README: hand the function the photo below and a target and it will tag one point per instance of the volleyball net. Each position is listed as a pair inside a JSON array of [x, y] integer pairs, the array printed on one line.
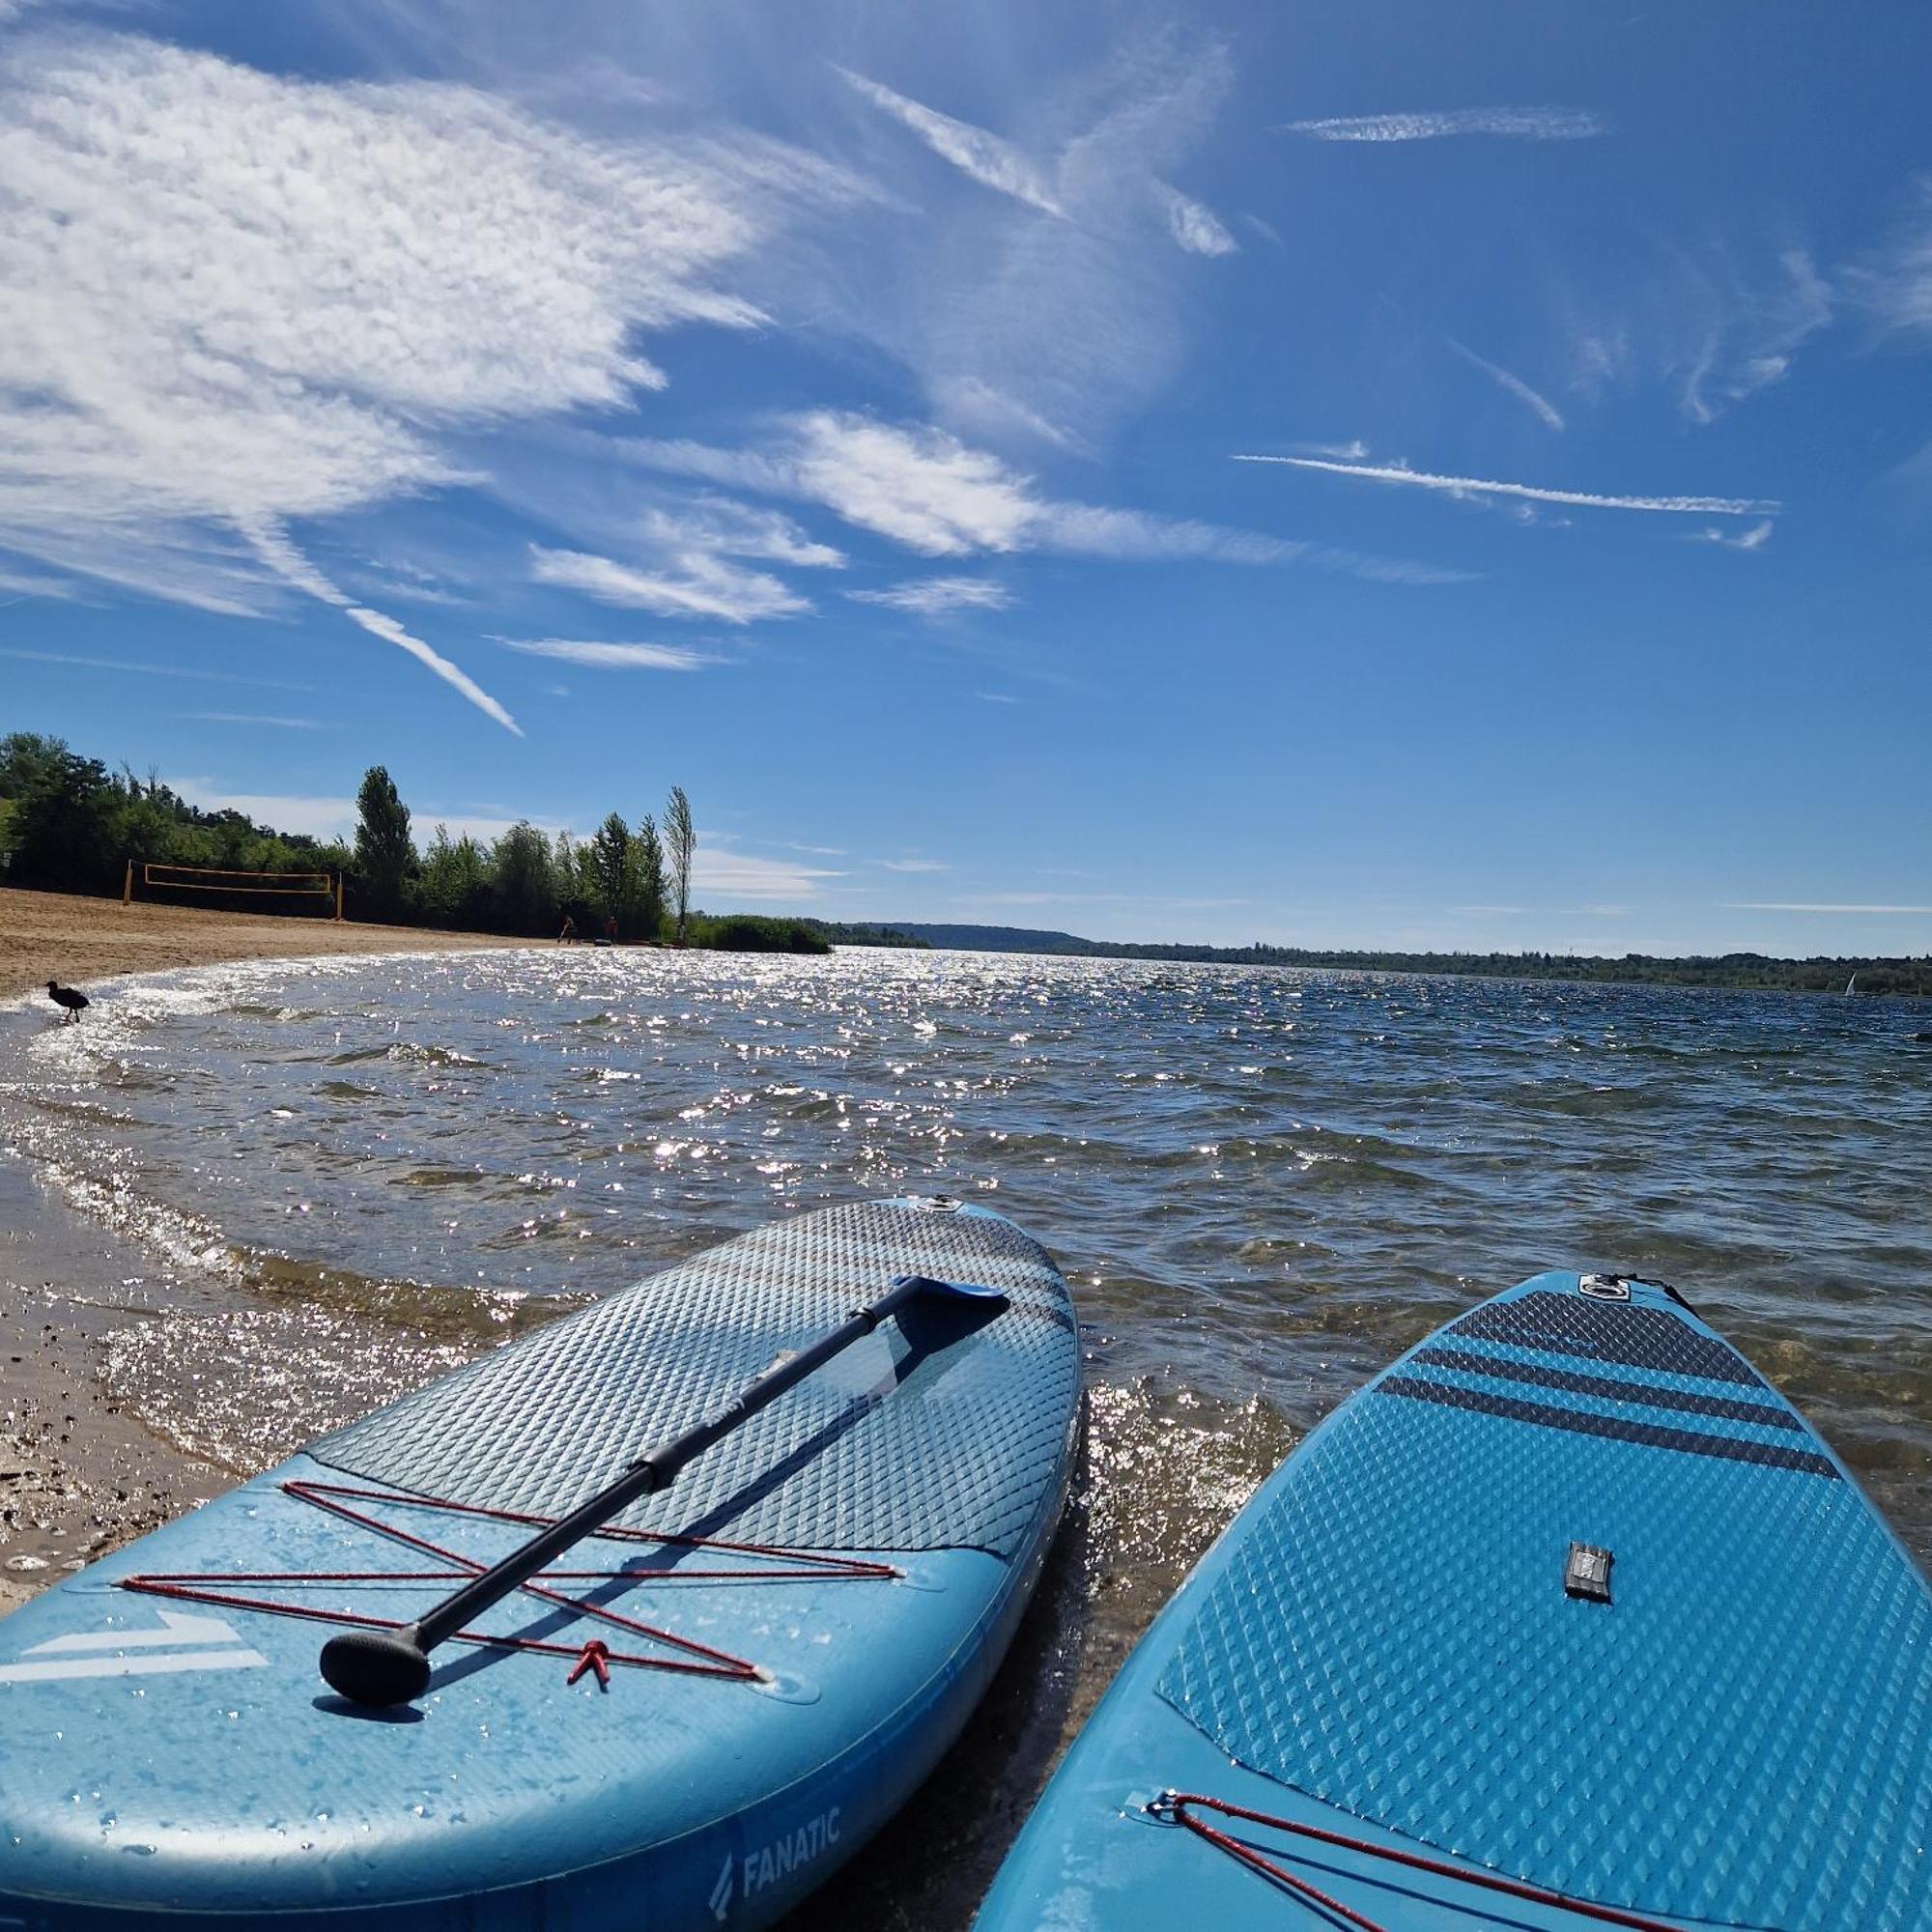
[[323, 890]]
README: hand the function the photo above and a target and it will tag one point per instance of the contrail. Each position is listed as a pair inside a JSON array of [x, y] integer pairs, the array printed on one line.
[[1480, 486]]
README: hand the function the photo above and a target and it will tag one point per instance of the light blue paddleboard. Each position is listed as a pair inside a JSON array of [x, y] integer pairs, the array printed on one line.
[[796, 1628], [1567, 1602]]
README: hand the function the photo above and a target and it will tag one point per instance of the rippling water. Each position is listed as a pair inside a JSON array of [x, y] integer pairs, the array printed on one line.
[[1262, 1185]]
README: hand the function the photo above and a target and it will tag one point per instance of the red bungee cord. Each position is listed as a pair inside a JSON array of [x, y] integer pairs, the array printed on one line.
[[1180, 1807], [773, 1564]]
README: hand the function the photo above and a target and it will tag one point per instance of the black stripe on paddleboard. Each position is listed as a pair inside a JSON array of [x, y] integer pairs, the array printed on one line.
[[1603, 1331], [1653, 1436], [1573, 1383]]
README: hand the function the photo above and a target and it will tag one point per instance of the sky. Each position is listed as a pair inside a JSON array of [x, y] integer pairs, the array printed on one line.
[[1346, 474]]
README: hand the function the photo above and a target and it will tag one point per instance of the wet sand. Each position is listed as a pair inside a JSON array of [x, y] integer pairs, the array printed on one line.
[[57, 936], [78, 1475]]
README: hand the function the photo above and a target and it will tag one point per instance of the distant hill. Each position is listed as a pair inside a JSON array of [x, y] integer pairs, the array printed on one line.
[[997, 938], [1730, 969]]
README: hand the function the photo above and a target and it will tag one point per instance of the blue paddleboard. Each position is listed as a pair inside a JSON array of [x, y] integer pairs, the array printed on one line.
[[689, 1720], [1567, 1618]]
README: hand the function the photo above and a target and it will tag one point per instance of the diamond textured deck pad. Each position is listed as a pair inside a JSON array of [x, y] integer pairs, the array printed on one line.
[[1742, 1734], [944, 1430]]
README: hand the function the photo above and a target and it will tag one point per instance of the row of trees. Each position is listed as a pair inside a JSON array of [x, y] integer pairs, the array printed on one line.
[[634, 882], [69, 824]]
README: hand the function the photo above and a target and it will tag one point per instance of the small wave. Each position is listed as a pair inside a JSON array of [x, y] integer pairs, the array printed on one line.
[[406, 1053]]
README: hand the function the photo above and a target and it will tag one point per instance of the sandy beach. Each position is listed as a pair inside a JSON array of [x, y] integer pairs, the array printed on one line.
[[77, 1474], [57, 936]]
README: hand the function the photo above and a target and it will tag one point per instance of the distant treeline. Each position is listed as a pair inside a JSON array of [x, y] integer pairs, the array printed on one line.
[[1729, 968], [69, 824]]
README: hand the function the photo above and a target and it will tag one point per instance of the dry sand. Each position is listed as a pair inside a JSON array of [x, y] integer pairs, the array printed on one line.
[[54, 936], [78, 1475]]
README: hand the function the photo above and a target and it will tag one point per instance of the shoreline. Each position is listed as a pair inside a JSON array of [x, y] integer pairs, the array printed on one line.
[[79, 1474], [66, 937]]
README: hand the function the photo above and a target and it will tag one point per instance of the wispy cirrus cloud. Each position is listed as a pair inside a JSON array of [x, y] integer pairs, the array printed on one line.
[[31, 583], [234, 299], [939, 596], [722, 870], [1712, 325], [250, 719], [136, 668], [597, 656], [1530, 493], [698, 585], [1193, 224], [1808, 905], [281, 555], [1754, 538], [1894, 282], [976, 153], [1049, 304], [1514, 123], [924, 489], [1537, 403], [913, 865]]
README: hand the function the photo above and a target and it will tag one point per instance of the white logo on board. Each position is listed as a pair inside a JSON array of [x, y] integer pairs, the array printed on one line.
[[181, 1643], [720, 1893]]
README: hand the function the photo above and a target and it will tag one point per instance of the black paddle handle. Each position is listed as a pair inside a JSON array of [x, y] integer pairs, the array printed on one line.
[[656, 1469]]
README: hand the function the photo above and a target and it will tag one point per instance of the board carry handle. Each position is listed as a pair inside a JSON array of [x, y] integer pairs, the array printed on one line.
[[385, 1667]]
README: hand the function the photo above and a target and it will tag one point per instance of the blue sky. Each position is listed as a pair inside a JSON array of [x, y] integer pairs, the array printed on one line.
[[1326, 473]]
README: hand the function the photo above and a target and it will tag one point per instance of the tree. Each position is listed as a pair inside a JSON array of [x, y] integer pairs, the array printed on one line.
[[648, 878], [64, 826], [525, 880], [680, 842], [610, 862], [384, 854]]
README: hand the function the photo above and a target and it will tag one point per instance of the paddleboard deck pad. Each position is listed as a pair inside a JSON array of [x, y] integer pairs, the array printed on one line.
[[1568, 1617], [691, 1718]]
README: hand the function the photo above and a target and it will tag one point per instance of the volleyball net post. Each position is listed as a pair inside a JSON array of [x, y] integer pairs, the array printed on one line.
[[157, 877]]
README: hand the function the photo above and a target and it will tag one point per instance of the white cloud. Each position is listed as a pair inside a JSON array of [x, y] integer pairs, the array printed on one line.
[[28, 583], [1476, 486], [612, 656], [987, 159], [278, 553], [1799, 905], [1713, 330], [914, 864], [136, 668], [921, 487], [1522, 124], [249, 717], [317, 817], [700, 586], [229, 297], [719, 870], [1007, 319], [1895, 283], [1543, 407], [718, 526], [939, 596], [924, 489], [1754, 538], [1194, 226], [391, 632]]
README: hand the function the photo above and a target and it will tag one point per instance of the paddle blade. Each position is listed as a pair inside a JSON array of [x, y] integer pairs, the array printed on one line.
[[963, 1291]]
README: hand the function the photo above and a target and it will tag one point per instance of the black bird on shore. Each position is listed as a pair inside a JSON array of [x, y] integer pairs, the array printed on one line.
[[69, 997]]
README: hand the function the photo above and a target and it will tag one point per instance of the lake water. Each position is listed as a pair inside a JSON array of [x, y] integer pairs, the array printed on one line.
[[1262, 1185]]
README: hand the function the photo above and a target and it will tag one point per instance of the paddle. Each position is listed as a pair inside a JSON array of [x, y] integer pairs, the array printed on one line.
[[391, 1667]]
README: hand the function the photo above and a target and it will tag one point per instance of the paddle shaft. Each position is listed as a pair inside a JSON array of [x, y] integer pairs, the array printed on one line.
[[656, 1469]]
